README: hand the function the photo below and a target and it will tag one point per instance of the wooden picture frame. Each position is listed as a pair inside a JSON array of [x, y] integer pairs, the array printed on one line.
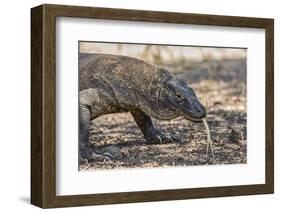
[[43, 105]]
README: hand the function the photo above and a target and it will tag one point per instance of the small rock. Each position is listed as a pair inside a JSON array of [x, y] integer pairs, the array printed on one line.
[[234, 136], [113, 150], [125, 153]]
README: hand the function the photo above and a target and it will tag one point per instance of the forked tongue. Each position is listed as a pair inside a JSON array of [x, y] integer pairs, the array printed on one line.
[[209, 141]]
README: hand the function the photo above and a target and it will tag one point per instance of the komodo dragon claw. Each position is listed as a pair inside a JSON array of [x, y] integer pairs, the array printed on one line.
[[161, 138], [93, 157]]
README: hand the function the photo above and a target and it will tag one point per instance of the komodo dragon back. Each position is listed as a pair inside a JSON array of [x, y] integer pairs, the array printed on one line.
[[134, 82]]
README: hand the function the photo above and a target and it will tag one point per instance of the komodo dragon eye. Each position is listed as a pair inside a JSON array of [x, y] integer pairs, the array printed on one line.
[[179, 96]]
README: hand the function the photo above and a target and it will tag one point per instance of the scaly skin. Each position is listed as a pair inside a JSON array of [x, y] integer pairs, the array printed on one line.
[[113, 84]]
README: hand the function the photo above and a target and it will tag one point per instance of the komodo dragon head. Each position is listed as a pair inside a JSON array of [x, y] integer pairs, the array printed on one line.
[[183, 100]]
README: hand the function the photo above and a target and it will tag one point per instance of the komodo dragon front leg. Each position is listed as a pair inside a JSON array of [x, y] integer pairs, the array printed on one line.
[[151, 134]]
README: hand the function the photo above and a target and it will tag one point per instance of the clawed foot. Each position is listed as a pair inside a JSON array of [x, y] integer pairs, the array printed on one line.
[[161, 138], [87, 156]]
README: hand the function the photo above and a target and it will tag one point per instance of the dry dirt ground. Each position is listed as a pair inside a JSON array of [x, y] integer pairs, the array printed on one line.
[[221, 86]]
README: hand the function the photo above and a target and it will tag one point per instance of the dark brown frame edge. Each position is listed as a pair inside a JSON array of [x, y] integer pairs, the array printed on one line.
[[43, 105]]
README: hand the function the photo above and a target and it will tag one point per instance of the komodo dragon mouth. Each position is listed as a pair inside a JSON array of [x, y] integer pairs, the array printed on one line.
[[195, 112], [192, 119]]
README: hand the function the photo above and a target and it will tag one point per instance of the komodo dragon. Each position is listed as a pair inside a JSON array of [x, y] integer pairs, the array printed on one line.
[[113, 84]]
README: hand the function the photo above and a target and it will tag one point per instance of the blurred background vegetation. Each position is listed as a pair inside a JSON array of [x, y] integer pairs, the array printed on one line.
[[160, 54]]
